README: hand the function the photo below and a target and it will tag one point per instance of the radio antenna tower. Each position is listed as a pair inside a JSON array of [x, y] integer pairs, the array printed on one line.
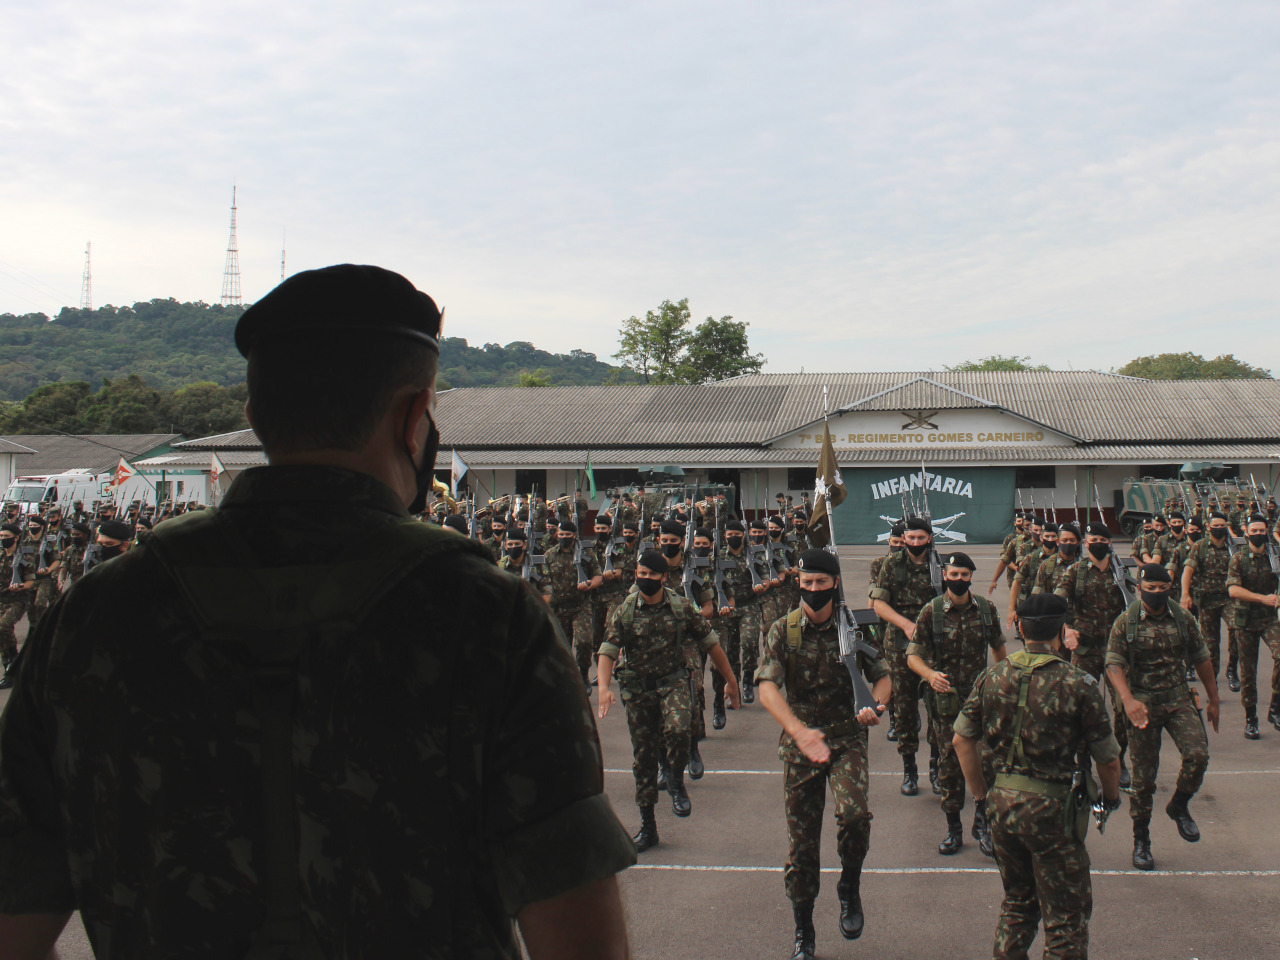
[[86, 282], [231, 272], [282, 256]]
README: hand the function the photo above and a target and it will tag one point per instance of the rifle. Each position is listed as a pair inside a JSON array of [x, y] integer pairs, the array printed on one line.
[[690, 579], [615, 535], [722, 566], [1119, 572], [1053, 513], [935, 564], [530, 559], [21, 558]]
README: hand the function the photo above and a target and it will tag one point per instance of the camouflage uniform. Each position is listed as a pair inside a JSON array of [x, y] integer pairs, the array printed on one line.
[[1156, 665], [1009, 554], [539, 576], [740, 631], [906, 587], [1045, 870], [610, 593], [1208, 564], [73, 560], [820, 695], [1049, 573], [1094, 608], [1254, 624], [1173, 555], [46, 586], [13, 604], [653, 681], [418, 815], [960, 653], [572, 606], [1028, 569]]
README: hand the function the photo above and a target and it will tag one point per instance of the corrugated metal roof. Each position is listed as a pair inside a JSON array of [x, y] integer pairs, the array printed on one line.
[[8, 446], [96, 453], [175, 461], [236, 440]]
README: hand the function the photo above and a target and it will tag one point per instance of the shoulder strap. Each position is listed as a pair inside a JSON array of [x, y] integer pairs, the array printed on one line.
[[793, 642], [1082, 570], [935, 606], [986, 608], [1028, 664], [629, 609]]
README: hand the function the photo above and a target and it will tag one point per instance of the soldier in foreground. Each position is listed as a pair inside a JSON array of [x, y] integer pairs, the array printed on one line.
[[645, 638], [310, 638], [1036, 713], [1252, 587], [823, 742], [1152, 645], [1204, 590]]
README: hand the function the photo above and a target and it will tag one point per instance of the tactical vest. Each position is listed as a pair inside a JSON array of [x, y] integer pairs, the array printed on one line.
[[629, 682], [947, 705], [1242, 607], [272, 612]]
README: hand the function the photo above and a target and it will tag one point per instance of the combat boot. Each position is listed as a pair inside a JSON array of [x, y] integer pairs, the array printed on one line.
[[1142, 859], [1233, 675], [804, 931], [934, 783], [680, 804], [982, 833], [717, 712], [892, 735], [910, 775], [1126, 779], [1273, 712], [954, 839], [748, 692], [1178, 813], [696, 766], [849, 892], [663, 770], [1251, 727], [648, 835]]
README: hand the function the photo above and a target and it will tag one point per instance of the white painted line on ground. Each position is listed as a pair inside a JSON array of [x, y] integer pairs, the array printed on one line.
[[898, 773], [910, 871]]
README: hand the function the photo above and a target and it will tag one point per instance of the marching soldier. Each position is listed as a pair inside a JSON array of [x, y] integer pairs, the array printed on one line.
[[45, 550], [512, 561], [899, 594], [73, 553], [1036, 714], [1089, 586], [778, 601], [617, 570], [895, 546], [647, 637], [17, 581], [1024, 580], [569, 597], [1149, 552], [497, 537], [1152, 645], [1012, 550], [650, 541], [1204, 584], [1052, 568], [823, 742], [949, 652], [1252, 586], [740, 621]]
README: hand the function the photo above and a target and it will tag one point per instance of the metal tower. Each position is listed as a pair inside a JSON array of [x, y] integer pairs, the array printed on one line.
[[231, 272], [86, 282]]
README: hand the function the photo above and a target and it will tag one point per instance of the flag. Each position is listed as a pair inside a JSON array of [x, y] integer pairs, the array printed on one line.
[[124, 470], [456, 472], [216, 470], [828, 487], [591, 477]]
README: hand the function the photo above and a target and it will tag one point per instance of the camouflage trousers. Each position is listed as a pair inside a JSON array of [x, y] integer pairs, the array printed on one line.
[[739, 636], [602, 607], [1045, 875], [11, 612], [43, 596], [804, 789], [1212, 614], [950, 776], [1182, 721], [575, 622], [1089, 657], [1248, 640], [658, 721], [906, 696]]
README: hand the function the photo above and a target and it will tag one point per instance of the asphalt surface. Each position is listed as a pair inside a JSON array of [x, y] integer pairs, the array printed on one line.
[[713, 886]]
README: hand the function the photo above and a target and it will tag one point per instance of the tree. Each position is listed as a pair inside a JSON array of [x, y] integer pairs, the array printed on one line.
[[718, 350], [538, 379], [202, 409], [997, 362], [1192, 366]]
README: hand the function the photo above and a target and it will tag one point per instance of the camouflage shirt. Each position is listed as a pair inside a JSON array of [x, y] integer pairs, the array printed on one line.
[[1253, 572], [1095, 608], [820, 692], [1029, 569], [876, 565], [1208, 563], [904, 585], [443, 746], [1050, 573], [1015, 548], [656, 643], [73, 559], [961, 652], [539, 575], [624, 561], [1176, 559], [1166, 546], [739, 578], [564, 575], [28, 573], [1158, 658], [1064, 710]]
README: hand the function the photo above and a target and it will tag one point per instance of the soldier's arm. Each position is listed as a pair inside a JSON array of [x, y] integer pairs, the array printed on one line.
[[583, 924], [1117, 664], [31, 936], [967, 729], [881, 599], [1095, 723]]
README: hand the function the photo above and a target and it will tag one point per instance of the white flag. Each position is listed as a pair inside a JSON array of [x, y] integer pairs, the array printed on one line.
[[456, 473]]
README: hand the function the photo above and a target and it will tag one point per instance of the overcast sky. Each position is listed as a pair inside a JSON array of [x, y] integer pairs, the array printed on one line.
[[869, 185]]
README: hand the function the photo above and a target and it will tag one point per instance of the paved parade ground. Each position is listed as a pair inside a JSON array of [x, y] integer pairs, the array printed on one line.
[[713, 887]]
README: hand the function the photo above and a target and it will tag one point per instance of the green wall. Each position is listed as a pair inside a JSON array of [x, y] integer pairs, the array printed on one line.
[[984, 495]]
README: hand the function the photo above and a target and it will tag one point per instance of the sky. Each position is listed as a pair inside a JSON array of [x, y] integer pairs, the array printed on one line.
[[871, 186]]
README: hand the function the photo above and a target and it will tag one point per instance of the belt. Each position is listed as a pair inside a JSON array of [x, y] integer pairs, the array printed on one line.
[[1044, 788], [841, 729], [656, 683], [1156, 697]]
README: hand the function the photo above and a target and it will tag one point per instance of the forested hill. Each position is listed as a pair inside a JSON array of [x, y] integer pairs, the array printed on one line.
[[170, 344]]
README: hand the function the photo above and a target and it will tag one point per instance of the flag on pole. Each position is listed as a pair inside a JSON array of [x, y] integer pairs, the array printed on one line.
[[828, 487], [591, 477], [216, 471], [457, 472], [124, 470]]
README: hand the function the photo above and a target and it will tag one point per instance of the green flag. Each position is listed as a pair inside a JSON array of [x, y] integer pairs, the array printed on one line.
[[591, 478], [828, 488]]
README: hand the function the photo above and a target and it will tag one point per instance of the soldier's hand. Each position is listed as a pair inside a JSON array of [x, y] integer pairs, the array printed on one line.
[[42, 572], [812, 744], [992, 589], [1270, 600], [758, 588], [1013, 621], [1213, 712], [732, 695], [1070, 638], [940, 683], [1185, 603], [909, 632], [607, 700], [868, 717], [585, 586], [726, 611], [16, 586], [1136, 710]]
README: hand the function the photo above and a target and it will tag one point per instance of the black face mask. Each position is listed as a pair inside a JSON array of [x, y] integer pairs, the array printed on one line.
[[565, 542], [957, 588], [648, 585], [79, 541], [897, 549], [7, 542], [1099, 550], [1068, 549], [775, 534], [1218, 533], [513, 552], [108, 552], [671, 550], [735, 543], [1050, 546], [757, 538], [629, 537], [702, 551], [1155, 599], [424, 475], [916, 549], [602, 536], [1176, 531], [1194, 536], [1257, 539], [817, 599]]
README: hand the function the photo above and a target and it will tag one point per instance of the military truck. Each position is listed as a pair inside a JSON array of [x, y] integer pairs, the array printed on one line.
[[1141, 499]]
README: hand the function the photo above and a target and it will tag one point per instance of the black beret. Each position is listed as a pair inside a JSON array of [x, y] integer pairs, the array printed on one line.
[[657, 518], [758, 525], [345, 299], [960, 560], [1217, 515], [456, 522], [602, 519], [919, 523], [146, 524], [1158, 518], [35, 521], [568, 526], [780, 521], [1043, 606], [800, 515], [515, 533], [1036, 520], [1096, 529], [1154, 573], [673, 528], [1050, 527], [12, 528], [1257, 518], [115, 529], [80, 527], [630, 525], [654, 560], [1070, 528], [735, 525], [898, 529], [818, 561], [702, 532], [1176, 515]]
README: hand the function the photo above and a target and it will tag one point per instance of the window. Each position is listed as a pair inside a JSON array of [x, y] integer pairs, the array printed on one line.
[[1045, 476], [1160, 471], [801, 478], [527, 480], [609, 477], [726, 477]]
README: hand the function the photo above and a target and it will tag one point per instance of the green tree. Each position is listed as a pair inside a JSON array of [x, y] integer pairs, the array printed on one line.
[[538, 379], [998, 362], [202, 409], [54, 407], [1192, 366], [717, 350], [124, 406]]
